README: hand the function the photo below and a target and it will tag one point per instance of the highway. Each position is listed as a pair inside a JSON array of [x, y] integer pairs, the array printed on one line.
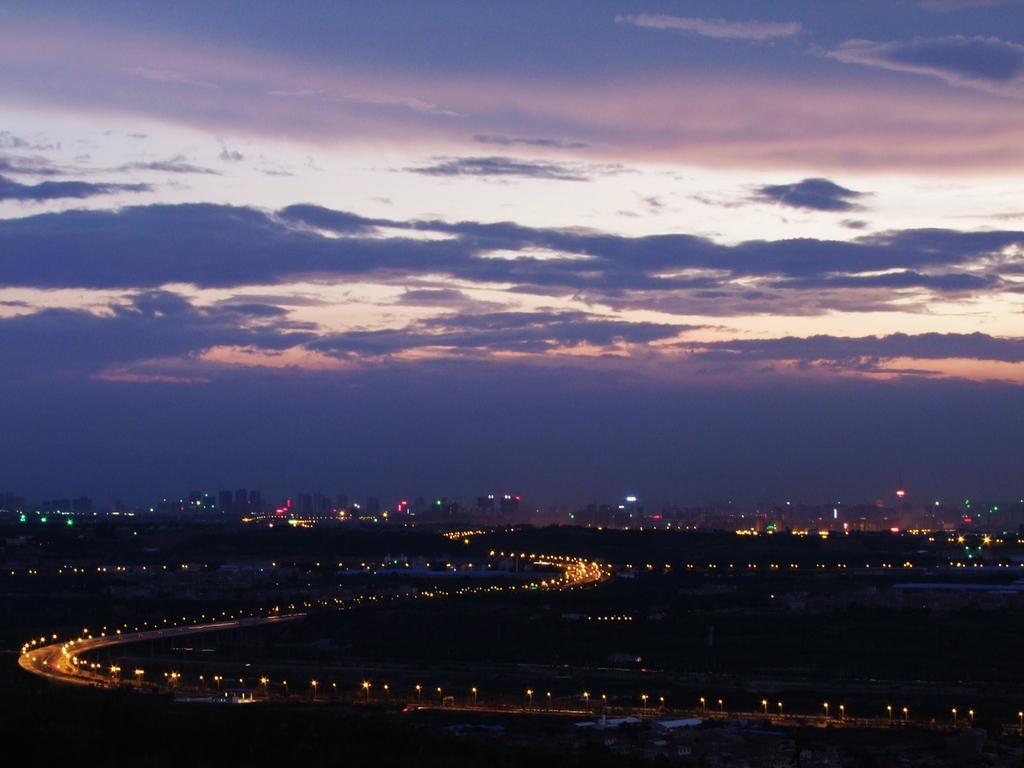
[[59, 662]]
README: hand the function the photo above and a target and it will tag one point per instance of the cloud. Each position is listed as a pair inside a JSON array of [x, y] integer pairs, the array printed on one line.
[[144, 247], [27, 166], [811, 194], [485, 334], [719, 29], [944, 6], [230, 155], [987, 63], [169, 76], [177, 164], [153, 324], [867, 352], [57, 190], [502, 166], [511, 141]]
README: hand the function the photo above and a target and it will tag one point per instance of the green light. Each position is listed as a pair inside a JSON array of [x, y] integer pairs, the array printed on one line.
[[71, 522]]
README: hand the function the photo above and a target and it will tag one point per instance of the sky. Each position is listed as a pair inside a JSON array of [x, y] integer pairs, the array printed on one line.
[[692, 251]]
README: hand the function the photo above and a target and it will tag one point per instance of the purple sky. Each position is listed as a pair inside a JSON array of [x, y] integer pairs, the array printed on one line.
[[692, 251]]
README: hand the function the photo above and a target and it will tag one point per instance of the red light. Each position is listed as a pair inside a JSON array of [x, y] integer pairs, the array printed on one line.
[[901, 493]]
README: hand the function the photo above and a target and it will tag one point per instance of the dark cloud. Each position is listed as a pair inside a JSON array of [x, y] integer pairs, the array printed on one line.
[[156, 324], [811, 194], [502, 166], [324, 218], [435, 297], [209, 245], [522, 332], [511, 141], [177, 164], [56, 190], [866, 352], [984, 62], [27, 166]]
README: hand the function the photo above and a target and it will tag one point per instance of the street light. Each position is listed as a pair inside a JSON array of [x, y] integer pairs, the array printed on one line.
[[904, 715], [419, 694], [842, 713], [971, 713], [387, 693], [366, 690], [474, 697], [954, 717], [529, 692], [312, 684], [889, 707], [703, 705], [643, 697], [549, 699], [780, 709], [764, 703], [586, 700], [826, 710]]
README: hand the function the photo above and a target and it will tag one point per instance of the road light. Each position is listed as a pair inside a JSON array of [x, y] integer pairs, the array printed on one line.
[[1021, 716], [780, 709], [586, 700], [904, 715], [703, 705], [970, 712], [387, 693], [643, 698], [721, 709], [138, 676], [826, 710], [312, 684], [474, 697], [889, 708], [549, 699], [529, 692], [366, 690], [764, 703], [954, 717], [842, 713]]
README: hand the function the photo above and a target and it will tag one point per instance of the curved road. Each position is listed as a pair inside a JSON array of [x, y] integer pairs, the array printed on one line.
[[57, 661]]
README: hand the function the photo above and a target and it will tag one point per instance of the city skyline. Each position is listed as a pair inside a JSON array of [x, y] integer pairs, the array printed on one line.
[[704, 250]]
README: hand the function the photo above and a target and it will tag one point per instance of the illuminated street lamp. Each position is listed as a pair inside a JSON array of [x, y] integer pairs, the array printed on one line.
[[549, 699], [826, 710], [904, 715], [387, 692], [643, 698], [474, 697], [889, 708], [842, 713], [764, 703], [138, 676], [529, 692], [703, 705], [312, 684], [954, 717], [419, 694], [366, 690], [586, 700], [971, 713], [721, 709], [780, 709]]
